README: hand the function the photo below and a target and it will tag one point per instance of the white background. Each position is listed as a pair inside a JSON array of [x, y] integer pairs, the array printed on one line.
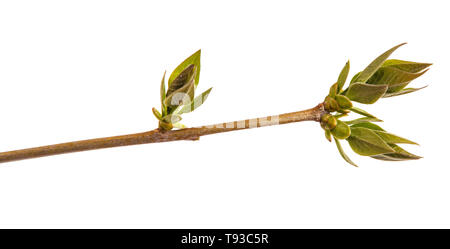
[[72, 70]]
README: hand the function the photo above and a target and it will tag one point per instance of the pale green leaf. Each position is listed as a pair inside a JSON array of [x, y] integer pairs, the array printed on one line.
[[375, 65], [343, 102], [365, 93], [343, 77], [157, 113], [395, 78], [401, 92], [191, 106], [341, 151], [355, 78], [393, 139], [194, 59], [163, 94], [185, 77], [328, 135], [399, 155], [368, 125], [364, 113], [333, 90], [171, 118], [340, 115], [183, 95], [366, 142], [408, 66]]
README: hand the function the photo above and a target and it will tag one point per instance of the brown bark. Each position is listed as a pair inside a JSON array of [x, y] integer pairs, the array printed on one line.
[[158, 136]]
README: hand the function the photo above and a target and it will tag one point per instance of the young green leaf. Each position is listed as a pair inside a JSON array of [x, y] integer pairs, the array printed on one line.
[[366, 142], [396, 87], [401, 92], [355, 78], [341, 131], [408, 66], [156, 113], [365, 93], [399, 155], [393, 139], [340, 115], [194, 59], [343, 102], [394, 77], [375, 64], [182, 95], [188, 74], [362, 112], [341, 151], [343, 77], [368, 125], [333, 90], [171, 118], [191, 106], [328, 135], [163, 94]]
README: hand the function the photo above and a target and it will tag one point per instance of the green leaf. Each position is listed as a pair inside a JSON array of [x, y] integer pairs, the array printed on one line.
[[365, 93], [387, 137], [394, 77], [343, 77], [393, 139], [341, 131], [188, 74], [341, 151], [375, 64], [362, 112], [156, 113], [191, 106], [163, 94], [171, 118], [343, 102], [368, 125], [401, 92], [194, 59], [182, 95], [340, 115], [355, 78], [333, 90], [399, 155], [366, 142], [328, 135], [408, 66]]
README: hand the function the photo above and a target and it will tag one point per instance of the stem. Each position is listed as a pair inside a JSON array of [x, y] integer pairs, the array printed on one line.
[[158, 136]]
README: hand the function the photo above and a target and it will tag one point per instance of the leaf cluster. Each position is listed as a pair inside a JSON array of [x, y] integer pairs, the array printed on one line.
[[382, 78], [179, 96]]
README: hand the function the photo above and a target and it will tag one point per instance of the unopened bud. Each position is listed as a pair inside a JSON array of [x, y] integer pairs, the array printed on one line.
[[331, 123], [330, 104], [343, 102], [341, 131]]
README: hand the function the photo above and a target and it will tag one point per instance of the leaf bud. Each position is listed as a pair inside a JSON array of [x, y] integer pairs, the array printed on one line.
[[331, 123], [324, 120], [333, 90], [341, 131], [343, 102], [330, 104]]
